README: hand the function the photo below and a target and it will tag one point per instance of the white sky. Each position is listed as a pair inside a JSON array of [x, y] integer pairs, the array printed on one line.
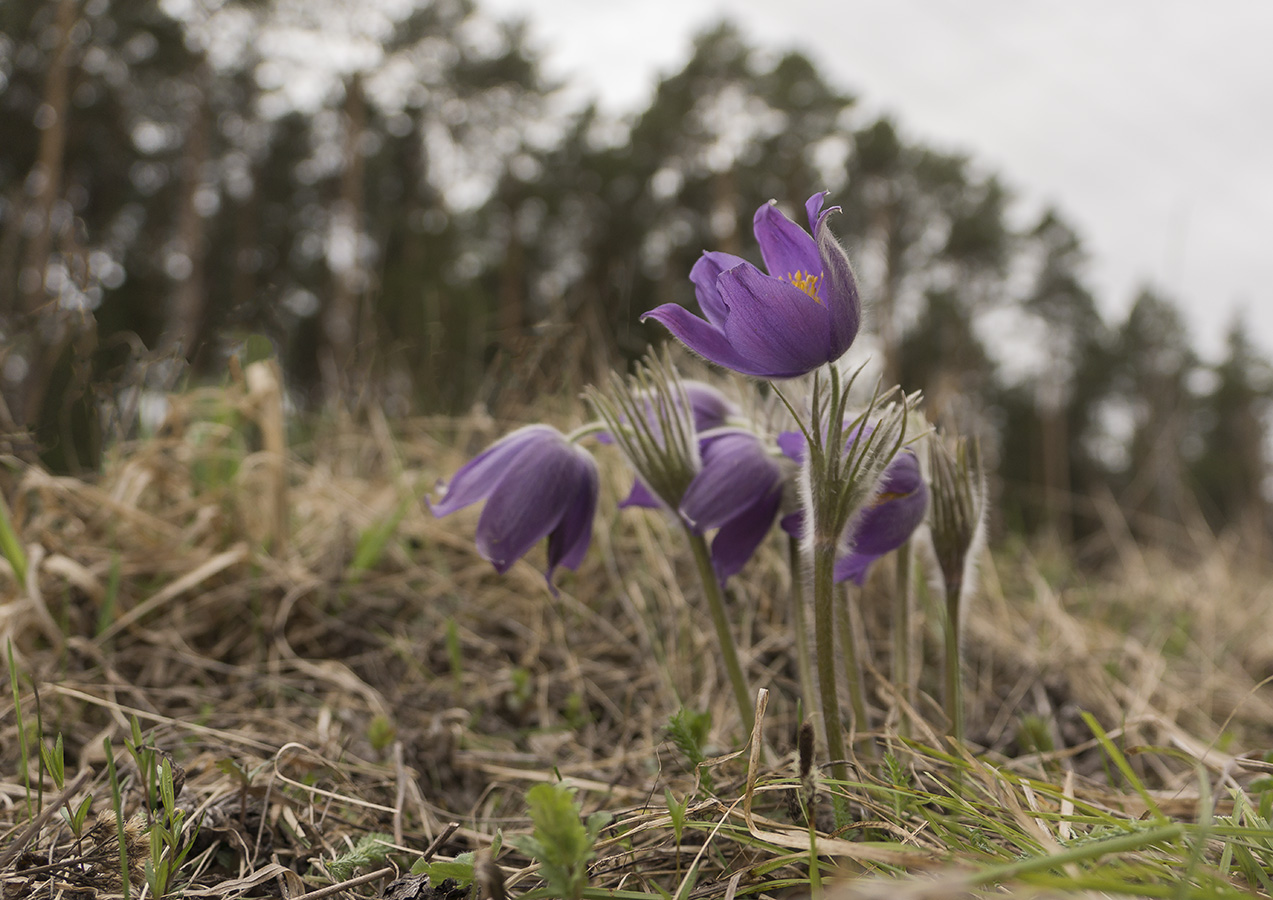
[[1150, 124]]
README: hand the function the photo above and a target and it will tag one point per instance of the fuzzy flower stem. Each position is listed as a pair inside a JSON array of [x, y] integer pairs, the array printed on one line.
[[902, 634], [824, 636], [954, 684], [724, 636], [853, 670], [804, 665]]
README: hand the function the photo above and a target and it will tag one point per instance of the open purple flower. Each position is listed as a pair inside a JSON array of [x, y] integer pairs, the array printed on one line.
[[536, 484], [888, 522], [804, 313]]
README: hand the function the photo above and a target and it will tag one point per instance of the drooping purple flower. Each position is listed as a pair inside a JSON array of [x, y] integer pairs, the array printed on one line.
[[896, 511], [709, 409], [888, 522], [737, 491], [804, 313], [536, 484]]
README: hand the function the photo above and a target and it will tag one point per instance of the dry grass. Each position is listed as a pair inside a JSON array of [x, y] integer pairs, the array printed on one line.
[[310, 702]]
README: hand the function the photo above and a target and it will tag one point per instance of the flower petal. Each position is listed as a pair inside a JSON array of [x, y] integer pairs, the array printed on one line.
[[738, 538], [736, 471], [897, 512], [477, 478], [793, 524], [854, 567], [779, 330], [569, 541], [838, 288], [640, 497], [703, 338], [527, 501], [785, 247], [793, 445], [710, 407], [704, 275], [813, 209]]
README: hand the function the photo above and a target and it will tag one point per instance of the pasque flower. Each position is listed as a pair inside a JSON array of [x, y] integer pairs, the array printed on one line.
[[709, 409], [804, 313], [737, 491], [887, 523], [884, 525], [536, 484]]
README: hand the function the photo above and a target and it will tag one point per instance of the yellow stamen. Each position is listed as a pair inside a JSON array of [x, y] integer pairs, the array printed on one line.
[[886, 497], [806, 283]]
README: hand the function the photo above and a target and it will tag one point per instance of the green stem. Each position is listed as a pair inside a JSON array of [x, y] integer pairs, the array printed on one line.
[[853, 671], [954, 681], [804, 666], [902, 680], [724, 636], [824, 644]]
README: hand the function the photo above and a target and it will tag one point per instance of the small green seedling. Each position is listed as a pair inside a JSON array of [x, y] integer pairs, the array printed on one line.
[[371, 849], [688, 730], [561, 843], [460, 869]]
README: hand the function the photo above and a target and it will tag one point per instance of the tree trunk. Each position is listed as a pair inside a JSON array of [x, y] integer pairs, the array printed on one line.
[[50, 331], [186, 305], [339, 362]]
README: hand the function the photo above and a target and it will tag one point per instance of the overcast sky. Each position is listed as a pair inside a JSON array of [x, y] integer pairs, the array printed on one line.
[[1150, 124]]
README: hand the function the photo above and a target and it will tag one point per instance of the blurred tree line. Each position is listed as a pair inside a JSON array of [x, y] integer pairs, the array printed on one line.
[[410, 212]]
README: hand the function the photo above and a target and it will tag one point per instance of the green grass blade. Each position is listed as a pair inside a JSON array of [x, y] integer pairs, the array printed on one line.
[[11, 545]]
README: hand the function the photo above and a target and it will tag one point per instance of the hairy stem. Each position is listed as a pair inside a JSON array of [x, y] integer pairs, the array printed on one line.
[[804, 665], [902, 637], [824, 638], [724, 636], [853, 672], [954, 681]]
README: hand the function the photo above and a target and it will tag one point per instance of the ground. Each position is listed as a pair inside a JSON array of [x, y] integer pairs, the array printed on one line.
[[322, 661]]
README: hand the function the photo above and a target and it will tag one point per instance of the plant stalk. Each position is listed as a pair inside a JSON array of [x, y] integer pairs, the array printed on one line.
[[799, 621], [902, 636], [954, 681], [824, 645], [853, 671], [724, 636]]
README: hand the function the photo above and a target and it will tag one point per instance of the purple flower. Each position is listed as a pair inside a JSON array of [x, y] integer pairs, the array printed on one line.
[[738, 490], [888, 522], [709, 408], [536, 484], [880, 528], [804, 313]]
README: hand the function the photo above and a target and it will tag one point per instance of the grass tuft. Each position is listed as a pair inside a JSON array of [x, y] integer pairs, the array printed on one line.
[[369, 687]]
